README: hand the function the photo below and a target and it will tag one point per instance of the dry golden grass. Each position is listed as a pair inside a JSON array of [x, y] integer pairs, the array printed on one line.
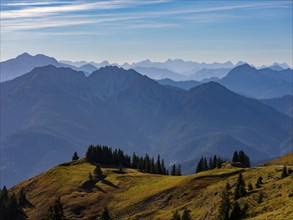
[[135, 195], [284, 160]]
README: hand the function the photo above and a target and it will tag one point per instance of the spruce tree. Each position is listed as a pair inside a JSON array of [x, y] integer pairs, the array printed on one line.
[[200, 167], [225, 204], [260, 197], [215, 162], [236, 213], [186, 214], [176, 215], [235, 157], [4, 194], [240, 187], [205, 165], [120, 169], [75, 156], [250, 187], [284, 172], [211, 165], [98, 172], [158, 165], [22, 201], [173, 170], [106, 214], [258, 182], [178, 171], [56, 211]]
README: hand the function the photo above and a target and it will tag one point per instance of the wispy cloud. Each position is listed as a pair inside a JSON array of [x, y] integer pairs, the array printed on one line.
[[69, 8], [35, 3], [54, 14]]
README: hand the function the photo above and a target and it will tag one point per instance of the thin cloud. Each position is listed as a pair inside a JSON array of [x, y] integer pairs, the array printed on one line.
[[33, 18], [76, 7], [35, 3]]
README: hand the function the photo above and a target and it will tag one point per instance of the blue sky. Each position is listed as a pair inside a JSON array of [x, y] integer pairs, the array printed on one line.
[[258, 32]]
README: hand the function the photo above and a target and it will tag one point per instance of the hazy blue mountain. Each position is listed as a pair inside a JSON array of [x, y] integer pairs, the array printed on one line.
[[183, 67], [50, 112], [276, 67], [283, 104], [212, 116], [262, 83], [87, 69], [158, 73], [186, 85], [24, 63], [208, 73], [74, 63]]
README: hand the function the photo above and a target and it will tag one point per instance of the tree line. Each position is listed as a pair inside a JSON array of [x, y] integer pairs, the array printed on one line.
[[105, 155], [240, 158], [214, 162], [11, 205]]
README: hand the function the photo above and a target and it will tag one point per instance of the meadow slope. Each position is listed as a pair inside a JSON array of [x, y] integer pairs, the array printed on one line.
[[136, 195]]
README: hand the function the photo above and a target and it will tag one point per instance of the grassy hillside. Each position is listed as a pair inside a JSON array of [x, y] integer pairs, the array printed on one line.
[[284, 160], [135, 195]]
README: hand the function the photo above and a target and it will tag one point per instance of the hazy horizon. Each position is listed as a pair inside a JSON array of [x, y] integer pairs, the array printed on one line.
[[153, 61], [256, 32]]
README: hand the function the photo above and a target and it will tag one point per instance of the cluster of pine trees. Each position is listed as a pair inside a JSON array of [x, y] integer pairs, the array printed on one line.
[[149, 165], [214, 162], [231, 210], [11, 206], [176, 171], [242, 158], [105, 155]]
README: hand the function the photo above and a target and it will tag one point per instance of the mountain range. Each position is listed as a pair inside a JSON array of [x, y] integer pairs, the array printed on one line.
[[25, 62], [50, 112], [248, 81], [177, 69]]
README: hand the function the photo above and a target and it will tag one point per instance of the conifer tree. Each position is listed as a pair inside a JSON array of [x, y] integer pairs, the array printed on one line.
[[173, 170], [284, 172], [260, 197], [176, 215], [22, 197], [98, 172], [56, 211], [75, 156], [250, 187], [205, 165], [186, 214], [258, 182], [4, 194], [200, 167], [106, 214], [158, 165], [235, 157], [178, 171], [240, 187], [120, 168], [215, 162], [225, 204], [236, 213], [211, 165]]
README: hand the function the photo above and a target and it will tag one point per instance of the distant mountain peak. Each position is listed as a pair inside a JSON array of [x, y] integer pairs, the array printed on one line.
[[25, 54]]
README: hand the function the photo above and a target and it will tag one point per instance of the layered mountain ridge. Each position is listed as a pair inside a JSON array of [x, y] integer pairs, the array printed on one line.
[[50, 112]]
